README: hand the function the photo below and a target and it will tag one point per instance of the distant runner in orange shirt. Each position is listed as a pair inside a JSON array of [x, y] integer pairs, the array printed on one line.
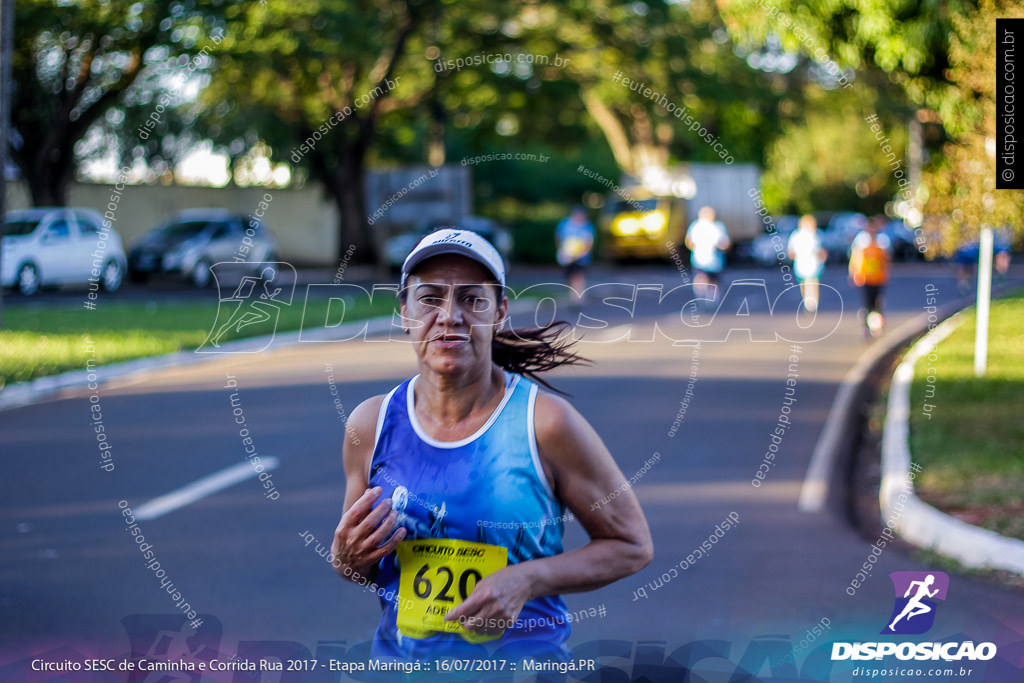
[[870, 255]]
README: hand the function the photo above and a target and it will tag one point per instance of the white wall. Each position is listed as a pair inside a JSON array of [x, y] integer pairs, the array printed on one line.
[[725, 188]]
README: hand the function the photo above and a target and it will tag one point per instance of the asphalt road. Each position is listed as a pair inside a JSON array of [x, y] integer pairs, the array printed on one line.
[[72, 577]]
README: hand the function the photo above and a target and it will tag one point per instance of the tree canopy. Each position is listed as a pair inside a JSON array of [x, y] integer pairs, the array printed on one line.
[[960, 191], [106, 64], [333, 88], [942, 56]]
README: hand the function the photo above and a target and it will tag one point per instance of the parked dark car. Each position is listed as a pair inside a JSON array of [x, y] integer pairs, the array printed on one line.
[[839, 233], [193, 240], [904, 248], [763, 249]]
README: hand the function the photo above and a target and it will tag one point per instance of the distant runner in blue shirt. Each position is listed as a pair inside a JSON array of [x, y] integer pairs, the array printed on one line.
[[574, 237]]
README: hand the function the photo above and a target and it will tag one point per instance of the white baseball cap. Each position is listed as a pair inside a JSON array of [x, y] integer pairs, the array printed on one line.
[[455, 241]]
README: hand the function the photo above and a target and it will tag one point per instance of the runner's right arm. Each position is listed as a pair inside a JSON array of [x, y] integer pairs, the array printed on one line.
[[357, 540]]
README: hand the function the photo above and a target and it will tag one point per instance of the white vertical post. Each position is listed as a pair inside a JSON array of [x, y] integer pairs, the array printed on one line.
[[984, 297]]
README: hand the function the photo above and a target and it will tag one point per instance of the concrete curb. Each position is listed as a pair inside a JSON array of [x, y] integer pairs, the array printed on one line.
[[920, 523], [822, 478], [814, 494], [43, 388]]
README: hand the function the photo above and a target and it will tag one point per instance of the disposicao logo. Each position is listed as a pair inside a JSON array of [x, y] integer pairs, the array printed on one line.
[[913, 613], [916, 594]]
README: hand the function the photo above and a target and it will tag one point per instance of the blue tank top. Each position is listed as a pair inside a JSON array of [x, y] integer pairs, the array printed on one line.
[[487, 488]]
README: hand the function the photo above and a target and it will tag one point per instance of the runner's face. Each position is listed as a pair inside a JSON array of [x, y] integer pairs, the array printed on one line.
[[452, 312]]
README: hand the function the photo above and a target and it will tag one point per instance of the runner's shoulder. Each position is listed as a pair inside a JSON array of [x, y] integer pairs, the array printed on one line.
[[555, 417], [362, 421]]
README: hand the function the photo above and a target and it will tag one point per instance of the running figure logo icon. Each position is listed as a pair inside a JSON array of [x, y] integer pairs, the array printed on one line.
[[256, 299], [916, 595]]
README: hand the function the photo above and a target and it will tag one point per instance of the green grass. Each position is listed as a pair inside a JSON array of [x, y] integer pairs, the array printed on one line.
[[936, 560], [36, 342], [972, 449]]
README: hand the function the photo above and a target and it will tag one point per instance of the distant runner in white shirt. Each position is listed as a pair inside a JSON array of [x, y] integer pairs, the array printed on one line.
[[808, 260], [706, 239]]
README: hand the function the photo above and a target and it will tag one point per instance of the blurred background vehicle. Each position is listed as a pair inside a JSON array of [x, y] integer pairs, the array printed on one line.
[[648, 216], [838, 234], [763, 249], [51, 246], [904, 248], [641, 227], [192, 240], [398, 247]]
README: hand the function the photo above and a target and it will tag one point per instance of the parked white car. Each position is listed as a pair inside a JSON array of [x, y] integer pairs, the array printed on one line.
[[46, 247]]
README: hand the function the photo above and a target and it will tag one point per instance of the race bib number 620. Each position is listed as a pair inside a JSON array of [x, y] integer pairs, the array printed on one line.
[[437, 575]]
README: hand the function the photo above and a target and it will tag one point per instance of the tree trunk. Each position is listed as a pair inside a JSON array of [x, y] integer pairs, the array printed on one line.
[[344, 181], [345, 184], [350, 198], [633, 142], [49, 184], [46, 161]]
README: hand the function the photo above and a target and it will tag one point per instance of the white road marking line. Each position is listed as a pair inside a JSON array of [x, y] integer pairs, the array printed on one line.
[[200, 488]]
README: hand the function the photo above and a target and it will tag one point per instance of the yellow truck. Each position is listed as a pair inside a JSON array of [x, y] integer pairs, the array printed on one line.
[[646, 220], [641, 227]]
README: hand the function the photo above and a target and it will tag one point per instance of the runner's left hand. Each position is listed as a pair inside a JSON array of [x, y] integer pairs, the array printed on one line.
[[495, 602]]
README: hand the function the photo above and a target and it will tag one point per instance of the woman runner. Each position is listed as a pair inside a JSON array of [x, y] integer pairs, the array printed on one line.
[[457, 480]]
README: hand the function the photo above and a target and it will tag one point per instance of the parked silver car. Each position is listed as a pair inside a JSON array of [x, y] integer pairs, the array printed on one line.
[[765, 251], [51, 246], [194, 239], [838, 236]]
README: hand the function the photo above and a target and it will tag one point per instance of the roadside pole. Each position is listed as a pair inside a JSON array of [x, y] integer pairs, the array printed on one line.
[[6, 53], [984, 298]]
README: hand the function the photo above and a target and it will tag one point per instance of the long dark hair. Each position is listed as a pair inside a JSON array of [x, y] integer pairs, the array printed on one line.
[[533, 350]]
